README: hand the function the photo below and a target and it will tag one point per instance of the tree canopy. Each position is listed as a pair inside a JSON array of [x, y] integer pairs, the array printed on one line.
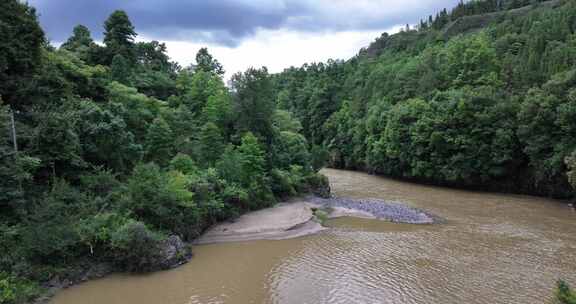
[[120, 150]]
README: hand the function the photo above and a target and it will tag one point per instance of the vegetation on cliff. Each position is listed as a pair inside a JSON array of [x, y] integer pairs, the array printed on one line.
[[481, 96]]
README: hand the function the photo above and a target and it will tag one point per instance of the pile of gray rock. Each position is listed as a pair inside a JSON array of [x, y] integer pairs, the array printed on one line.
[[384, 210]]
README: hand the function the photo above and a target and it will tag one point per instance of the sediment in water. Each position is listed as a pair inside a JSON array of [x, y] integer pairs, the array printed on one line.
[[296, 219]]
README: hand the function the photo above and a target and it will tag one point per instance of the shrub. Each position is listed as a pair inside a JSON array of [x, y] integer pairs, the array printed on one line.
[[282, 184], [564, 294], [96, 231], [136, 248], [183, 163], [101, 182], [319, 157], [161, 199], [14, 290]]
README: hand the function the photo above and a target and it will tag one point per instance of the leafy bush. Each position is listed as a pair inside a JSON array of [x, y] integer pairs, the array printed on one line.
[[183, 163], [15, 291], [161, 199], [96, 232], [282, 184], [136, 248], [564, 294]]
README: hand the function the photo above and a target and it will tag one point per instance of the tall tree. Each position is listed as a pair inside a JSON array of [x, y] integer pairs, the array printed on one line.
[[253, 158], [20, 49], [254, 102], [81, 38], [159, 142], [211, 144], [205, 62], [119, 36]]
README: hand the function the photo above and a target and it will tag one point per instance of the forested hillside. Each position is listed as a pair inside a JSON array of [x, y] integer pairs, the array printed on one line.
[[482, 96], [114, 148]]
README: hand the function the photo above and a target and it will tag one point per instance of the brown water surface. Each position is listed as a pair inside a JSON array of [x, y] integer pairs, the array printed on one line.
[[494, 249]]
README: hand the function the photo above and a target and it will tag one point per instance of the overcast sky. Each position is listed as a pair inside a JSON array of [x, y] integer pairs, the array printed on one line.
[[243, 33]]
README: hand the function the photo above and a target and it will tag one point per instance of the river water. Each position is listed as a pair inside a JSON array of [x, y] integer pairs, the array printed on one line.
[[493, 248]]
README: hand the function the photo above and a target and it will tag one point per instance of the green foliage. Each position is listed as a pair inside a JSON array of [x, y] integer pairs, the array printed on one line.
[[321, 216], [319, 157], [49, 234], [136, 247], [161, 199], [159, 142], [253, 102], [484, 101], [229, 167], [57, 141], [211, 144], [564, 294], [97, 232], [282, 183], [218, 110], [14, 290], [459, 136], [86, 116], [291, 149], [137, 110], [81, 43], [119, 36], [252, 158], [105, 137], [206, 63], [16, 169], [20, 49], [285, 121], [120, 69], [183, 163]]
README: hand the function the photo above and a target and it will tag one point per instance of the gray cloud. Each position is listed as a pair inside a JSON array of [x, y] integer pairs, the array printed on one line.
[[228, 22]]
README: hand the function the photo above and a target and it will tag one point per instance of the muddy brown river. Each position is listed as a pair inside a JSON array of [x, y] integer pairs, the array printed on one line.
[[493, 249]]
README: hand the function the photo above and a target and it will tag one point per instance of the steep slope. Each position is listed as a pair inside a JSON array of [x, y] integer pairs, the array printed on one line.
[[479, 97]]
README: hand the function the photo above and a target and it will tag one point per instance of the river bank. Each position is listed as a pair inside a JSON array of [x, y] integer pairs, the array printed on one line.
[[298, 218], [485, 252], [288, 220]]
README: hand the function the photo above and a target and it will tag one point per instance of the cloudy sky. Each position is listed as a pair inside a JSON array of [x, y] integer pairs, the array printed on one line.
[[244, 33]]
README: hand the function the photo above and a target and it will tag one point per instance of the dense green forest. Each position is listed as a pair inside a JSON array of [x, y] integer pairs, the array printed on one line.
[[107, 151], [117, 148], [482, 96]]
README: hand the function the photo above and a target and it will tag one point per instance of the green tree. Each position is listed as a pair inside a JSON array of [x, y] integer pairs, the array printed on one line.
[[291, 149], [162, 199], [119, 36], [253, 158], [254, 102], [206, 63], [120, 69], [80, 42], [183, 163], [136, 247], [255, 179], [218, 110], [106, 138], [136, 109], [211, 144], [20, 50], [159, 142]]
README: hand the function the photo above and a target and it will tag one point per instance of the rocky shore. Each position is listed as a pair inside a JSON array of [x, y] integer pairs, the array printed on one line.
[[378, 209]]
